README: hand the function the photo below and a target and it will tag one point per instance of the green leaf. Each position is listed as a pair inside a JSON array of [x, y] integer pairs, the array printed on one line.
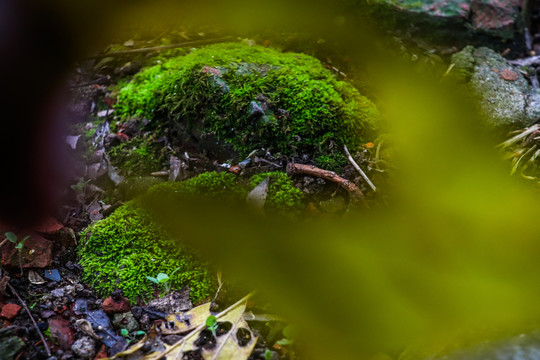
[[284, 342], [140, 332], [289, 331], [153, 279], [124, 332], [11, 237], [161, 277], [267, 355], [211, 322]]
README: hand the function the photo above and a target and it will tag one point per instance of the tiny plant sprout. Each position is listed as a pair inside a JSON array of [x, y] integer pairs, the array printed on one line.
[[17, 244], [163, 280], [211, 324]]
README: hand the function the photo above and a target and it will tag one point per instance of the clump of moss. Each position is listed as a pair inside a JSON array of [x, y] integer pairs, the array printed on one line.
[[283, 197], [138, 156], [121, 250], [253, 97], [333, 163], [212, 185]]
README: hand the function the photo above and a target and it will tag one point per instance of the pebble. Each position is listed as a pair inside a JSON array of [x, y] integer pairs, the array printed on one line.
[[85, 347]]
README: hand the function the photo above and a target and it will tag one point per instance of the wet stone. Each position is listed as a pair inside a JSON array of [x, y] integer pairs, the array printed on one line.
[[125, 321], [53, 275], [85, 347]]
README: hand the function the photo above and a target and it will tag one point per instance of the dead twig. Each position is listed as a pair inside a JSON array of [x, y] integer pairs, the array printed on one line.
[[348, 185], [158, 48], [353, 163], [528, 61], [31, 318]]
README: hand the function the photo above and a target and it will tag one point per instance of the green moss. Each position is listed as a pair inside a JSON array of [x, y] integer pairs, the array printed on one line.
[[333, 163], [463, 62], [138, 156], [121, 250], [283, 197], [212, 185], [252, 97]]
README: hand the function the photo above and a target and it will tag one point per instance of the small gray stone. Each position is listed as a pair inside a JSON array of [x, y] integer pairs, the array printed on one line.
[[85, 347], [125, 321]]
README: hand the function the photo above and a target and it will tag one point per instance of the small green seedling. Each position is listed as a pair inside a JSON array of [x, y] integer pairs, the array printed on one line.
[[18, 245], [211, 324], [289, 333], [13, 238], [268, 355], [164, 281], [129, 337]]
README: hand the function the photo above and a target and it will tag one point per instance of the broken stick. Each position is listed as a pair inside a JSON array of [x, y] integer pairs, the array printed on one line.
[[357, 167], [348, 185]]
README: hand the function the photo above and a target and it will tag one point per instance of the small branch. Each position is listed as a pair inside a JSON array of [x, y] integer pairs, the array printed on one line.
[[528, 61], [348, 185], [31, 318], [157, 48], [269, 162], [351, 160]]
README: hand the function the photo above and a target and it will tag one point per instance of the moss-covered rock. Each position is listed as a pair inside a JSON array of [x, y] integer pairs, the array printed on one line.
[[252, 97], [121, 250], [283, 197]]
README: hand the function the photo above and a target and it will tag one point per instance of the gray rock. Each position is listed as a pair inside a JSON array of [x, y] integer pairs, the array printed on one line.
[[85, 347], [125, 321], [496, 22], [504, 93]]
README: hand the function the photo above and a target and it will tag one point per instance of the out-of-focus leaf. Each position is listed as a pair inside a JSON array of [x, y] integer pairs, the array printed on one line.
[[452, 260], [11, 237]]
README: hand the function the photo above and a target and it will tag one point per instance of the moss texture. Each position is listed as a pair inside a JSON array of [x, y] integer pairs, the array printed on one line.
[[283, 197], [138, 157], [121, 250], [252, 97]]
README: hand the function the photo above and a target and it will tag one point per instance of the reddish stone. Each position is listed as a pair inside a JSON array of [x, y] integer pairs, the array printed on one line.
[[9, 311], [235, 169], [102, 353], [49, 226], [61, 331], [35, 253], [116, 307]]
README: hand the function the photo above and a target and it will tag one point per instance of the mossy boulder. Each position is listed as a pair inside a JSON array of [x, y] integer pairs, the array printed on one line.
[[252, 97], [121, 250]]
